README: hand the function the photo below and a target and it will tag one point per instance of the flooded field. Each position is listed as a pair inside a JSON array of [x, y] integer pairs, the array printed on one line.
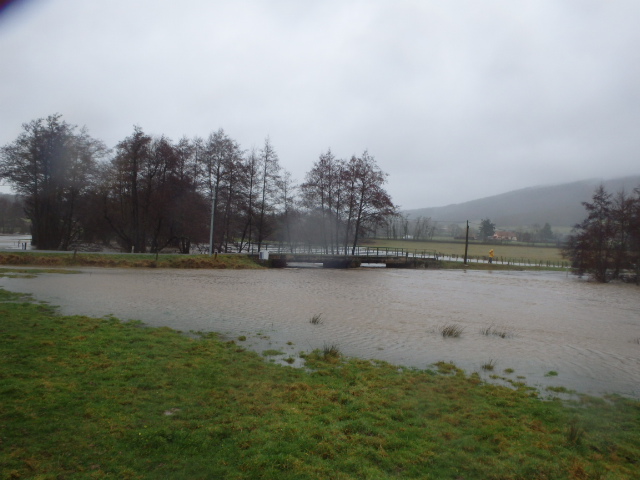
[[587, 333], [15, 242]]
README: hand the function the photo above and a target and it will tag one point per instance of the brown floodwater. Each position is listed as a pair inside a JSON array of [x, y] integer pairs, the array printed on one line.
[[586, 332]]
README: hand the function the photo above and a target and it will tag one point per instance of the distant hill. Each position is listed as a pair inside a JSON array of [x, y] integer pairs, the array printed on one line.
[[558, 205]]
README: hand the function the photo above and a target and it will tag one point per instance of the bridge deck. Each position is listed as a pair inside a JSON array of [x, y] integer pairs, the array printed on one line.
[[351, 261]]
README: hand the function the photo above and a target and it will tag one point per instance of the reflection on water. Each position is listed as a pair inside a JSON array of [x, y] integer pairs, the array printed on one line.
[[586, 332]]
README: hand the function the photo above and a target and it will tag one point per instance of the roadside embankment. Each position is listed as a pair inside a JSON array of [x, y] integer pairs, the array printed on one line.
[[220, 261], [127, 260]]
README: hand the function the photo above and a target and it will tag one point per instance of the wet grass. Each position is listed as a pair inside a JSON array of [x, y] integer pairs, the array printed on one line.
[[272, 353], [129, 260], [97, 398], [331, 352], [489, 366], [316, 319], [451, 331], [496, 331]]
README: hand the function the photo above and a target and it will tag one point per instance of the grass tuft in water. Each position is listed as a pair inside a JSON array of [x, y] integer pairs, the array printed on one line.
[[272, 353], [451, 330], [331, 351], [496, 331], [490, 365], [560, 389], [551, 373], [316, 320]]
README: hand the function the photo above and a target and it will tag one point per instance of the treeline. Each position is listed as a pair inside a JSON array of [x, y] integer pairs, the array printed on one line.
[[606, 244], [150, 193]]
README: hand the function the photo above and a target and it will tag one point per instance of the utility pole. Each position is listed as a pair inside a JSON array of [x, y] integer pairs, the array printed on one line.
[[466, 244]]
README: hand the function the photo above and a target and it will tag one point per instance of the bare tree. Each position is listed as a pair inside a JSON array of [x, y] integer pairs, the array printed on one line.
[[369, 203], [320, 193], [287, 190], [221, 160], [250, 169], [270, 170]]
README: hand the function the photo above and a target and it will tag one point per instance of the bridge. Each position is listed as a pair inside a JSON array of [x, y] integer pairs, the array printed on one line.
[[391, 258]]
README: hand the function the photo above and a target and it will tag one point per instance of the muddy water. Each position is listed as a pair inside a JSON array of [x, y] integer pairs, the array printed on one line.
[[15, 242], [587, 333]]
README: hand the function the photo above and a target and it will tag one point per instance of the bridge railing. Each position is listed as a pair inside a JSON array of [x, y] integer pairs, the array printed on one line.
[[360, 251]]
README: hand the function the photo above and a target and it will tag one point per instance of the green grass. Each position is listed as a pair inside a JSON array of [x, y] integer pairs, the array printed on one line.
[[95, 398], [128, 260], [511, 251]]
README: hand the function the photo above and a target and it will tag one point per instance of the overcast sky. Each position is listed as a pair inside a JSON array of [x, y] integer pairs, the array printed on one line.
[[456, 100]]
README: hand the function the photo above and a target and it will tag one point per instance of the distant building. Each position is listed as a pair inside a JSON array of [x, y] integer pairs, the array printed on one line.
[[504, 235]]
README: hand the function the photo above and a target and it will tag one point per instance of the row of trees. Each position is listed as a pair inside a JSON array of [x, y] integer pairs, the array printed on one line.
[[606, 244], [149, 193]]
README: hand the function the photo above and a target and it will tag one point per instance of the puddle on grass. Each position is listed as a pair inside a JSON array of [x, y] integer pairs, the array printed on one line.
[[586, 332]]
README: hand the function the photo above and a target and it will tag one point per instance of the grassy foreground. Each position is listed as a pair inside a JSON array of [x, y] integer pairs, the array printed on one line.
[[97, 398]]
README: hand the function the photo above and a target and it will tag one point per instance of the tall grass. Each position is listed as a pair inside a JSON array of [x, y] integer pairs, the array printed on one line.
[[490, 365], [451, 330], [496, 331], [331, 351]]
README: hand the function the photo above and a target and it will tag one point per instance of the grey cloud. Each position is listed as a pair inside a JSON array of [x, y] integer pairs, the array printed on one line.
[[456, 100]]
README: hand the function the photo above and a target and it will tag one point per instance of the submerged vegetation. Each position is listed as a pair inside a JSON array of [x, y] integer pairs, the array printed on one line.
[[98, 398], [451, 330], [497, 331], [490, 365]]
